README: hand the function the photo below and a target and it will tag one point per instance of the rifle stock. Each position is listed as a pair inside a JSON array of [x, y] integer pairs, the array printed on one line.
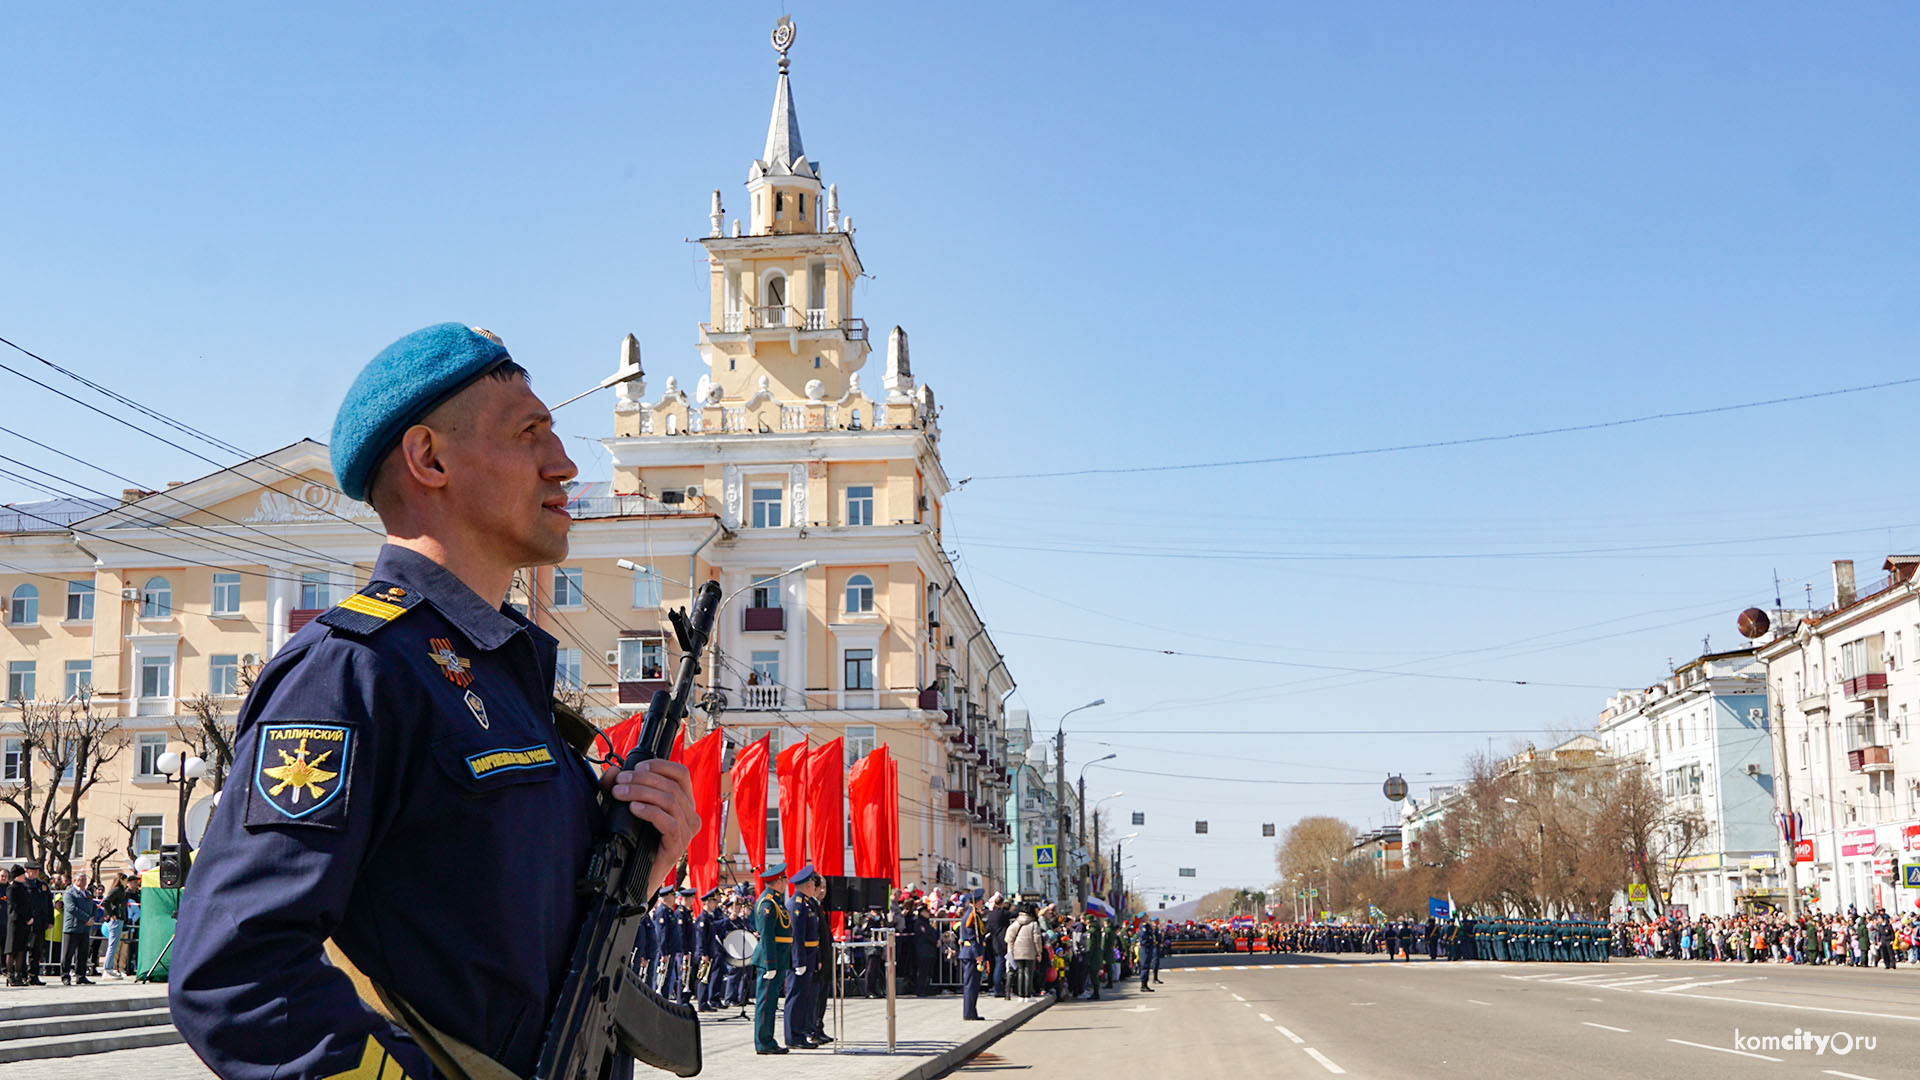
[[604, 1008]]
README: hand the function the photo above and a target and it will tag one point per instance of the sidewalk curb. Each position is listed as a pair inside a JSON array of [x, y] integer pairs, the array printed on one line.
[[958, 1056]]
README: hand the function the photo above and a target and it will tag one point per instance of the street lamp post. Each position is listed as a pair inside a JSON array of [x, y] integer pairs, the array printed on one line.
[[713, 674], [183, 771], [1060, 786], [1080, 871]]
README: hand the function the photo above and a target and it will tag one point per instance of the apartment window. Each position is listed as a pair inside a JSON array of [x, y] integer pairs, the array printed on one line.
[[156, 599], [773, 821], [69, 757], [643, 659], [646, 588], [12, 757], [766, 594], [859, 595], [765, 668], [857, 669], [79, 601], [860, 740], [566, 670], [223, 673], [566, 588], [860, 505], [146, 756], [76, 678], [147, 833], [226, 594], [316, 590], [20, 680], [767, 505], [156, 676], [23, 609], [77, 843], [12, 841]]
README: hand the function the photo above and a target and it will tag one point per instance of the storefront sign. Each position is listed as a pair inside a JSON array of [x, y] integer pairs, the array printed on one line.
[[1802, 851], [1760, 862], [1913, 838], [1857, 844], [1884, 866], [1708, 861]]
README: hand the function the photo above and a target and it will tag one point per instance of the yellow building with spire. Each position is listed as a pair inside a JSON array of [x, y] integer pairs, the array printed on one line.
[[814, 500]]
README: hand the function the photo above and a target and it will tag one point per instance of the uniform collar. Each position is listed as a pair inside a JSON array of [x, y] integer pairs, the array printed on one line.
[[486, 626]]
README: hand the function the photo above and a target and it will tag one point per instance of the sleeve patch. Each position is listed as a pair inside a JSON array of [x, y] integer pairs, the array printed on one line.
[[301, 774]]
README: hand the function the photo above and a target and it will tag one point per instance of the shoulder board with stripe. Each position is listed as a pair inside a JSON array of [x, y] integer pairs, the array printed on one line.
[[369, 609]]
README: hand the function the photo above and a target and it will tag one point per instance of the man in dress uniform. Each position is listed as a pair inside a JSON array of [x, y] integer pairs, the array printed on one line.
[[709, 961], [740, 984], [805, 948], [666, 944], [683, 910], [772, 956], [821, 973], [973, 951], [399, 736], [1149, 950]]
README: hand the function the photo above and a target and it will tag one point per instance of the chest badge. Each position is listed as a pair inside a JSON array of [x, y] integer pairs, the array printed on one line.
[[458, 669], [478, 707]]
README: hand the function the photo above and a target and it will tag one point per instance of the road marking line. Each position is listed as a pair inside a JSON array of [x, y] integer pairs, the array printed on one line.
[[1849, 1076], [1607, 1027], [1523, 978], [1322, 1059], [1265, 1019], [1709, 982], [1477, 1001], [1246, 1004], [1806, 1008], [1296, 1039], [1725, 1050], [1237, 997]]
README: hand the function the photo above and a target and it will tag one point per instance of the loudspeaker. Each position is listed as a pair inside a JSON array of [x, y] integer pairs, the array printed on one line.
[[173, 869], [857, 894]]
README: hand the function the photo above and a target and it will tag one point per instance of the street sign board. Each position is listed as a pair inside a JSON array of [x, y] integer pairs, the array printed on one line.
[[1637, 894], [1188, 871], [1266, 830], [1139, 817], [1043, 856], [1910, 875]]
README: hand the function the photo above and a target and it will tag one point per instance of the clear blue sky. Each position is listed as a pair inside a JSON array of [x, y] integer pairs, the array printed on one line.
[[1119, 235]]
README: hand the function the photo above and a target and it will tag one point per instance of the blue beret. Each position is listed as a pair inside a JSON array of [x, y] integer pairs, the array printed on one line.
[[803, 875], [399, 387]]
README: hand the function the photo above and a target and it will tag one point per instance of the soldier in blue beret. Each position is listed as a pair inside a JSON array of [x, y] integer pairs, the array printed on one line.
[[803, 978], [400, 736]]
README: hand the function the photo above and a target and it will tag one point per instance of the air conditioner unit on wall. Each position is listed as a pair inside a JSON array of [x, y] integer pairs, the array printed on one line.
[[613, 655], [129, 594], [693, 491]]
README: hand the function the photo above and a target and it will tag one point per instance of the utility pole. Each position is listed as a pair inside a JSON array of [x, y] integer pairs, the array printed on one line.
[[1080, 868], [1785, 778], [1095, 849], [1059, 806]]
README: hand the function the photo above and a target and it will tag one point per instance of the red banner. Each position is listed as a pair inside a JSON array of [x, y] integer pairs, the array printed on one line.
[[792, 768], [618, 740], [867, 800], [750, 804], [679, 754], [892, 819], [826, 821], [703, 855]]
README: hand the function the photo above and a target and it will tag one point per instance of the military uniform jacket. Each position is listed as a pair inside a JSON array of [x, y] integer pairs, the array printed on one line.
[[666, 931], [806, 931], [775, 930], [401, 741], [973, 936]]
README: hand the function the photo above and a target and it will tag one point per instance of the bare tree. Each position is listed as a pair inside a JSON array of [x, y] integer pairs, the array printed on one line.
[[209, 730], [71, 742]]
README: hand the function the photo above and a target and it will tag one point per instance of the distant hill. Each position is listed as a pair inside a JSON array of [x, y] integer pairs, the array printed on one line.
[[1176, 912]]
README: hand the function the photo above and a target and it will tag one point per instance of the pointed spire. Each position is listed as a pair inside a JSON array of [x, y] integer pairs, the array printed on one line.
[[784, 154]]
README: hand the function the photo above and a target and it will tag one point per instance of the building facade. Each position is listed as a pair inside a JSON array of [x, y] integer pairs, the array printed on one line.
[[1703, 733], [814, 501], [1846, 692]]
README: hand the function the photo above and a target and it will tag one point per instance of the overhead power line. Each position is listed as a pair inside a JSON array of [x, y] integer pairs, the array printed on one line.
[[1437, 444]]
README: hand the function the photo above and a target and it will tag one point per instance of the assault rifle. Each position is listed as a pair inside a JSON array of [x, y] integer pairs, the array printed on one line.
[[605, 1009]]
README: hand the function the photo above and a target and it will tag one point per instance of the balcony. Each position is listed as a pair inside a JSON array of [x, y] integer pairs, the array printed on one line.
[[1871, 685], [950, 721], [1814, 701], [957, 804], [639, 691], [763, 697], [787, 317], [764, 618], [1870, 759], [300, 617], [930, 699]]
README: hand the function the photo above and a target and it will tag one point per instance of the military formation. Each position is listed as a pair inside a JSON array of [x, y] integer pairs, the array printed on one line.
[[1467, 938]]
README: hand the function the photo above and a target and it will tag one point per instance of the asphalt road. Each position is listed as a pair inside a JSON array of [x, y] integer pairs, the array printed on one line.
[[1317, 1017]]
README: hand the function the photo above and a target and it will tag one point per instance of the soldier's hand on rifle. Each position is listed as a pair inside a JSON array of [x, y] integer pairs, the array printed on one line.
[[660, 793]]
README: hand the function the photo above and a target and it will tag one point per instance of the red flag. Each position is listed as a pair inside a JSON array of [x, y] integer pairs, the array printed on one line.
[[792, 768], [619, 739], [866, 792], [703, 855], [679, 754], [826, 816], [891, 817], [826, 823], [750, 804]]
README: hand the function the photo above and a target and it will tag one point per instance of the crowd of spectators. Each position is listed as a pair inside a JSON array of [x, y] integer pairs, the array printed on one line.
[[70, 925], [1853, 939]]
